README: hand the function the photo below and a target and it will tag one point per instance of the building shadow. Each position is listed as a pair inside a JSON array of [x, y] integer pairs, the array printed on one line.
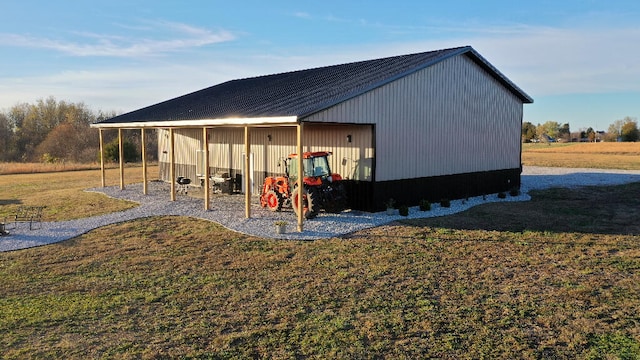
[[612, 210]]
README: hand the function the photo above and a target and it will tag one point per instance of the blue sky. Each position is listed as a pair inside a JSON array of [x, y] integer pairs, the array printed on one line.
[[579, 60]]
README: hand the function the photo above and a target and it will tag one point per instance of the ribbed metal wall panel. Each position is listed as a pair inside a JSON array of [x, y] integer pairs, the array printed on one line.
[[187, 141], [226, 146], [335, 138], [450, 118]]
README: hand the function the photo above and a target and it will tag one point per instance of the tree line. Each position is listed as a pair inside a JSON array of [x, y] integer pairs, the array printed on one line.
[[620, 130], [59, 131]]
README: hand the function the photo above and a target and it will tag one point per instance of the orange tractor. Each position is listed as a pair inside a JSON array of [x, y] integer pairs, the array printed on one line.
[[322, 189]]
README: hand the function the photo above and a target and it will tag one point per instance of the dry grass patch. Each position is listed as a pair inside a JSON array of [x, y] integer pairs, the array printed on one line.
[[603, 155], [623, 148], [30, 168], [63, 192]]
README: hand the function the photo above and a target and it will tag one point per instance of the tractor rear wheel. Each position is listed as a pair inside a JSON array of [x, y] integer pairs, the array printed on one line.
[[310, 202], [274, 200]]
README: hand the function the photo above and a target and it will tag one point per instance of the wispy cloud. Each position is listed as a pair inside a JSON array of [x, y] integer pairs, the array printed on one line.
[[328, 18], [579, 60], [302, 15], [165, 37], [543, 60]]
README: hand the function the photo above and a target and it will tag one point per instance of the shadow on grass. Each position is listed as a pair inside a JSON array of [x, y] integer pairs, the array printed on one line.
[[10, 202], [612, 210]]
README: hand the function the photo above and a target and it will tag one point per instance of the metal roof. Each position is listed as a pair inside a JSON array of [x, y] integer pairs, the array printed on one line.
[[291, 96]]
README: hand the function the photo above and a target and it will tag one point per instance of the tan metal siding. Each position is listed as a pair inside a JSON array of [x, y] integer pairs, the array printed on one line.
[[187, 141], [226, 146], [449, 118], [334, 138]]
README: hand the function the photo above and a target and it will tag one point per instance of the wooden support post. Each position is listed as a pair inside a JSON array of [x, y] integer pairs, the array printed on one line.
[[172, 164], [144, 162], [102, 174], [247, 176], [121, 158], [300, 180], [205, 141]]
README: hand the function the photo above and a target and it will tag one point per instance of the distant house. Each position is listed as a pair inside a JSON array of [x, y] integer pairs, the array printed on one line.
[[431, 125]]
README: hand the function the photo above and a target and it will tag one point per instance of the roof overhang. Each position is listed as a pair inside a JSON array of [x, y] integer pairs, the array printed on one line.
[[255, 121]]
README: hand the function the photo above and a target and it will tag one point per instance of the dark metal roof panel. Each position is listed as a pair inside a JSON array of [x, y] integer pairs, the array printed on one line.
[[297, 93]]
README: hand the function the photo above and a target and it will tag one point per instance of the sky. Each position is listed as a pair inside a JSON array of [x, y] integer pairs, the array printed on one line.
[[578, 59]]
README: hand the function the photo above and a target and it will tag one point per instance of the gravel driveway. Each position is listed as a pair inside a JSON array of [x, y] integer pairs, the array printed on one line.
[[229, 210]]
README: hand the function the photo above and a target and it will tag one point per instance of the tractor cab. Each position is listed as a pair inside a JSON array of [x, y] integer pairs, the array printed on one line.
[[315, 167]]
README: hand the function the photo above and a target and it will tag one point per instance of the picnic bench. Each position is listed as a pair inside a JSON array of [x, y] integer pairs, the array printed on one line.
[[26, 214], [3, 230]]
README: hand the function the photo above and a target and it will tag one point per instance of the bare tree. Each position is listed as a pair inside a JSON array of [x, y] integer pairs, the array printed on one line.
[[564, 132], [57, 128], [528, 132], [623, 130], [614, 132], [629, 131], [7, 138]]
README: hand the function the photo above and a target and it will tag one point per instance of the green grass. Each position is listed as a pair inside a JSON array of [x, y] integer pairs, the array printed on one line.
[[498, 281]]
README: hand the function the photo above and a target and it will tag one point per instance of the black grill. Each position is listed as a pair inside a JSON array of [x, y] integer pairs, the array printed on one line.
[[183, 185]]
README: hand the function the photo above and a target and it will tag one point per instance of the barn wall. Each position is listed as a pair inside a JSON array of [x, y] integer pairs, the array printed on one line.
[[352, 160], [186, 141], [450, 118]]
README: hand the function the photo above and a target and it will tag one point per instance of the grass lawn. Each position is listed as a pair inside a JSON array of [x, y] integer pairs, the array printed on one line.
[[63, 192], [556, 277]]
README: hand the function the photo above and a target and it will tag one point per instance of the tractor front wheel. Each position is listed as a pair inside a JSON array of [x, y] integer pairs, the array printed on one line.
[[310, 202], [274, 200]]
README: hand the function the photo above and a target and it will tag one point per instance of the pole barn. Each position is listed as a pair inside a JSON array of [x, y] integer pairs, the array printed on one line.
[[442, 124]]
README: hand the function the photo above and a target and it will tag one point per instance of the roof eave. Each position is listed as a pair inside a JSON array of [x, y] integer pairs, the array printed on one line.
[[239, 121]]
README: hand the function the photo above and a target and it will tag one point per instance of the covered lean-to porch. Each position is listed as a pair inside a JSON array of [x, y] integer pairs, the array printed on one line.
[[183, 152]]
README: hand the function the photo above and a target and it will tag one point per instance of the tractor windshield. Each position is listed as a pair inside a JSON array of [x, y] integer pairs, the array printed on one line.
[[313, 167], [316, 167]]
